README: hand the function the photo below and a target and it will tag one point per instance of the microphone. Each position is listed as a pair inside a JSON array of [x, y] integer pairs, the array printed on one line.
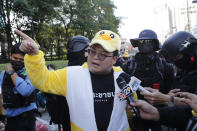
[[126, 93], [135, 84], [126, 77]]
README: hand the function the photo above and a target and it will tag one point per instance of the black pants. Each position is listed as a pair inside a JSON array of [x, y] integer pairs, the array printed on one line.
[[23, 122], [138, 124]]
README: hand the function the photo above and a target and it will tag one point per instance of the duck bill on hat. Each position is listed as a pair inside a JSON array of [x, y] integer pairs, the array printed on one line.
[[105, 45]]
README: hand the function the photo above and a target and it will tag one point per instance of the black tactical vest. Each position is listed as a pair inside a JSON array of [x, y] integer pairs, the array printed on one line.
[[12, 99], [150, 72]]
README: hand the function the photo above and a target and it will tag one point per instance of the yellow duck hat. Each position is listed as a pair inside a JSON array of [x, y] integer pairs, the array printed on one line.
[[126, 54], [109, 40]]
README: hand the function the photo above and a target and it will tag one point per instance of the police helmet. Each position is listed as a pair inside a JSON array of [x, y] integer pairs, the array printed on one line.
[[146, 34], [181, 43], [176, 44], [77, 44]]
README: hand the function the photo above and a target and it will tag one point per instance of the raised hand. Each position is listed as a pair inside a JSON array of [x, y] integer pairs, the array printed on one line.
[[28, 45], [190, 99], [8, 68], [156, 97], [147, 111], [173, 92]]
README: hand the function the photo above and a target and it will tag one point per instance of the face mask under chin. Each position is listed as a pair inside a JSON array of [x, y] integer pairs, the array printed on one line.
[[17, 65]]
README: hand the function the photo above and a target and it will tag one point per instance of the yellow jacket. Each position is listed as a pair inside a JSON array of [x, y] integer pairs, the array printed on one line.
[[75, 84]]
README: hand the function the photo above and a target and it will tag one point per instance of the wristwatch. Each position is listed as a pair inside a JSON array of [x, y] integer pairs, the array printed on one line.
[[171, 102], [11, 72]]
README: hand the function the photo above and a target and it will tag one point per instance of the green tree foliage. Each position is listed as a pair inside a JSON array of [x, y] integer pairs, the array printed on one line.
[[23, 14], [106, 18], [86, 17], [6, 7], [52, 22]]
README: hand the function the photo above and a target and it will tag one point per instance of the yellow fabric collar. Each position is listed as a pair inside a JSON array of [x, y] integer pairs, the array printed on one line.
[[194, 113]]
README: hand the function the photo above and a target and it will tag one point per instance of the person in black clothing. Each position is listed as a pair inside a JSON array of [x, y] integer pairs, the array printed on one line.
[[175, 117], [147, 66], [77, 48], [181, 49], [76, 55], [57, 107], [122, 59], [152, 70], [18, 94]]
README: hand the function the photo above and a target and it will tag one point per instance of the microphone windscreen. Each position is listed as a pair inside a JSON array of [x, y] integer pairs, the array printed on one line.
[[126, 77], [120, 81]]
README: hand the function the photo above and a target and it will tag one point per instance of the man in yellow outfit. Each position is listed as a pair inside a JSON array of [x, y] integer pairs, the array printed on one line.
[[89, 89]]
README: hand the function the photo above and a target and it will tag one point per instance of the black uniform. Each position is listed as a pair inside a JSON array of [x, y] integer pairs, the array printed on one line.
[[175, 117], [178, 116], [152, 70], [181, 49]]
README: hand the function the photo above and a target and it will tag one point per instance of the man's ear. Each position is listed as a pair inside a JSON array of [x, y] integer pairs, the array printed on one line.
[[115, 58]]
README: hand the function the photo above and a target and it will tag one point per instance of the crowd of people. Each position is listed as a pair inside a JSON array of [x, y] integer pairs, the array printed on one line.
[[87, 89]]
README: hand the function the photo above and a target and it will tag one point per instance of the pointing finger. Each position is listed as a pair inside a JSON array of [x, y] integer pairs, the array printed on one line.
[[24, 36], [174, 90]]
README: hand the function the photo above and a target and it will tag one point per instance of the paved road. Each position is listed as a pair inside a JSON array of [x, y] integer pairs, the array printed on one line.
[[45, 119]]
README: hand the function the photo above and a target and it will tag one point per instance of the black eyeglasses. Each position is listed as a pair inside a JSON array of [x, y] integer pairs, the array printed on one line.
[[101, 56]]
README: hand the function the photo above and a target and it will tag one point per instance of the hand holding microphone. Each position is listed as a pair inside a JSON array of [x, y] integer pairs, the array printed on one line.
[[134, 82], [128, 85], [126, 92]]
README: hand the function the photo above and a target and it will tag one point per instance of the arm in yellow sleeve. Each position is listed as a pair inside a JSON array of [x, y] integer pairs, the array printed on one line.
[[42, 79]]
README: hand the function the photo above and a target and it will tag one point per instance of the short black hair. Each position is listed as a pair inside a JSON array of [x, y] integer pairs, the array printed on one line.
[[51, 65], [15, 49]]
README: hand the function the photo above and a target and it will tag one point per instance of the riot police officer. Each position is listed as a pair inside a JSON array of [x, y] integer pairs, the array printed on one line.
[[181, 49], [152, 70], [146, 65], [77, 47]]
